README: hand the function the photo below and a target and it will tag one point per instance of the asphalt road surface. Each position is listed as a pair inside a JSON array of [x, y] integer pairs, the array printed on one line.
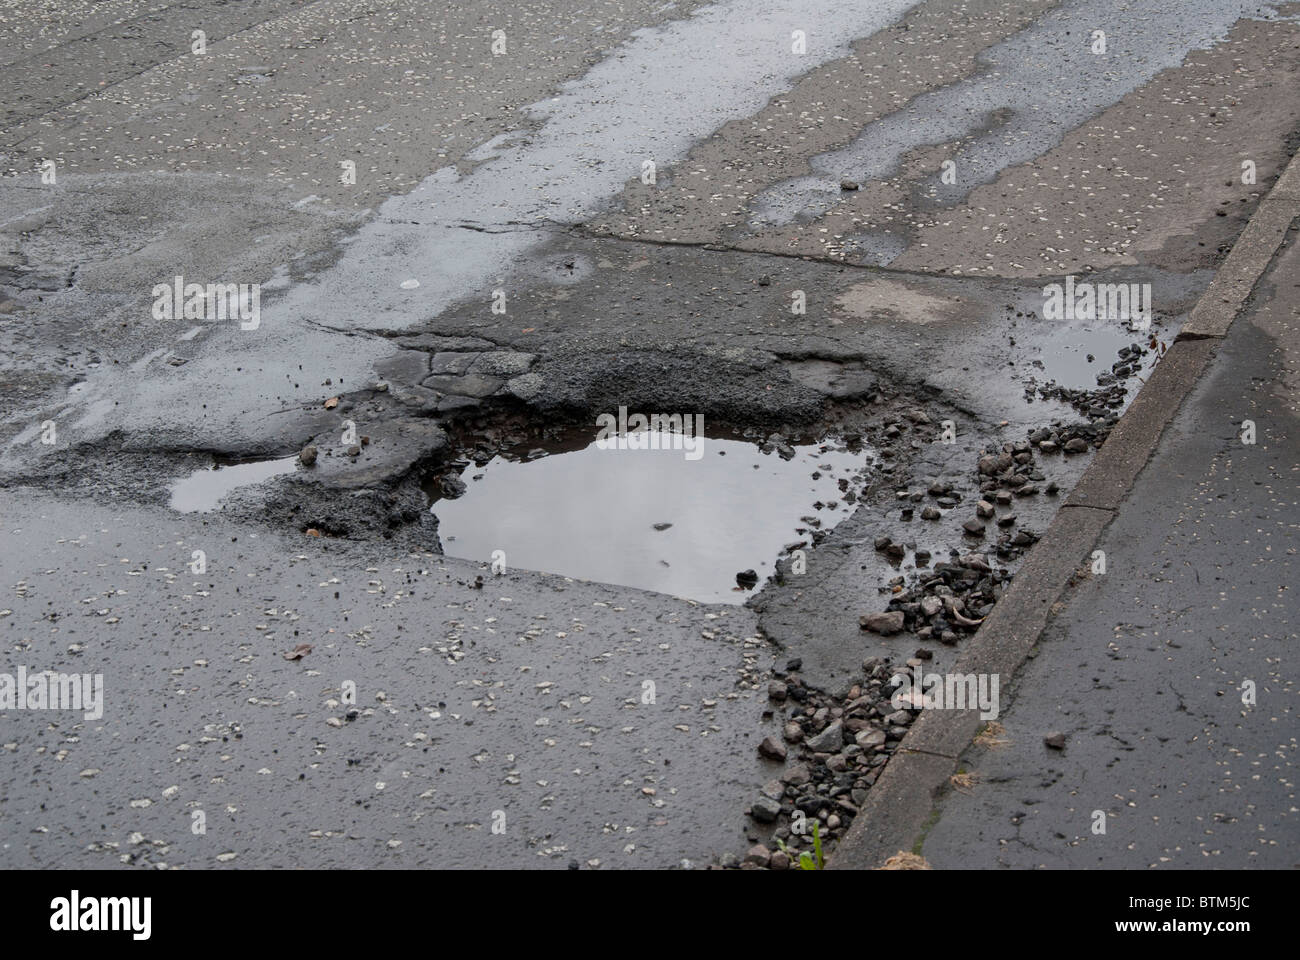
[[458, 232]]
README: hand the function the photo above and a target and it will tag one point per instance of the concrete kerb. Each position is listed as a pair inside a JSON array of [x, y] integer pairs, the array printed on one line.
[[1246, 262], [900, 806]]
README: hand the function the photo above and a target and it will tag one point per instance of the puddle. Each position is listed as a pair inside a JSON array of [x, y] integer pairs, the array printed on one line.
[[651, 518], [1075, 360], [203, 490]]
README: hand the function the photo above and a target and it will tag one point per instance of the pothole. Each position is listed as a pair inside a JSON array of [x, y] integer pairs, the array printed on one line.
[[664, 518], [203, 490]]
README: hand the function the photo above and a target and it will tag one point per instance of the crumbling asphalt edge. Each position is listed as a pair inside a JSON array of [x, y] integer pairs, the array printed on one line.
[[901, 803]]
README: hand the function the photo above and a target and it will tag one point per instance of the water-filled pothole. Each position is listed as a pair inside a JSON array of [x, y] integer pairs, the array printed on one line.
[[203, 490], [649, 518]]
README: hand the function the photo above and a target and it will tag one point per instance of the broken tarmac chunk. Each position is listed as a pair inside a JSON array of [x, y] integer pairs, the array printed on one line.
[[502, 364], [470, 385], [405, 366], [451, 364], [525, 387]]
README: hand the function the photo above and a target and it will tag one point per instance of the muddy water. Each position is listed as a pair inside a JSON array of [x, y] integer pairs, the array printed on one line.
[[1076, 358], [653, 519], [203, 490]]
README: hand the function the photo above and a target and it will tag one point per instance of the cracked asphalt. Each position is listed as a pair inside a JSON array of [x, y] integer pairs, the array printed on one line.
[[616, 206]]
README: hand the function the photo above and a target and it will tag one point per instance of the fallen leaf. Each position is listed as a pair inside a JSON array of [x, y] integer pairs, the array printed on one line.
[[298, 652], [906, 861], [331, 403], [313, 532]]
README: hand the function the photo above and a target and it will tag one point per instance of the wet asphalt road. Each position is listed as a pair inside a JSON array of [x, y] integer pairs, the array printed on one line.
[[1168, 674], [525, 696], [386, 178]]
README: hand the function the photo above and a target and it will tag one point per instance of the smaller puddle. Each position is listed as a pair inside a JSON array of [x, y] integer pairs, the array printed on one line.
[[650, 518], [203, 490], [1077, 357]]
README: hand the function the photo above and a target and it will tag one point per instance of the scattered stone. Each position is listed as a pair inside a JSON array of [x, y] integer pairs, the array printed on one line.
[[829, 740], [765, 810], [886, 623], [772, 748], [1055, 740], [307, 456], [870, 739], [797, 775]]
